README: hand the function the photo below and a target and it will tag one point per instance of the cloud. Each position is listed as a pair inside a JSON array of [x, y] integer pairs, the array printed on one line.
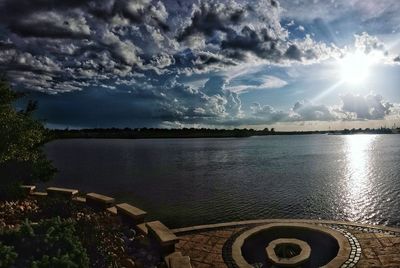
[[143, 52], [367, 11], [51, 24], [365, 107], [242, 85], [353, 107], [307, 111], [162, 60], [95, 42], [309, 51], [266, 114], [367, 44], [121, 49], [260, 44], [209, 17], [300, 112]]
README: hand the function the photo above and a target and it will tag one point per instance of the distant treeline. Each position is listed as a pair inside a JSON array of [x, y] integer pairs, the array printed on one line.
[[370, 131], [141, 133], [147, 133]]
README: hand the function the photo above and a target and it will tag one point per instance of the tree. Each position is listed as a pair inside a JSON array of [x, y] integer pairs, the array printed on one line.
[[22, 159]]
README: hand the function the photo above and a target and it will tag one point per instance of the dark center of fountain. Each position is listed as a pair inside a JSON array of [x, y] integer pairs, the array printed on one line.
[[287, 250]]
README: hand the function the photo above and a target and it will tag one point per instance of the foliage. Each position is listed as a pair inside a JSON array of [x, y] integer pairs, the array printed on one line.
[[100, 234], [102, 237], [50, 243], [62, 207], [7, 255], [21, 138]]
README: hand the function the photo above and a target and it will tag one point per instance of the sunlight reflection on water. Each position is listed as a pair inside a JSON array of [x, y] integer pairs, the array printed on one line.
[[358, 150]]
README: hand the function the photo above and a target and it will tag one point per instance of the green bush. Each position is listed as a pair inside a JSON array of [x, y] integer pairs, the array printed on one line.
[[7, 255], [50, 243], [22, 159]]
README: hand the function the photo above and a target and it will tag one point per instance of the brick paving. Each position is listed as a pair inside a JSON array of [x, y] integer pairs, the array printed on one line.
[[205, 247], [380, 247]]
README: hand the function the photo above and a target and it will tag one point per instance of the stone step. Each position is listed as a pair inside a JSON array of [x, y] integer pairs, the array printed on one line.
[[39, 194], [61, 192], [172, 255], [165, 237], [142, 229], [96, 199], [28, 189], [180, 262], [134, 213], [112, 210], [79, 199]]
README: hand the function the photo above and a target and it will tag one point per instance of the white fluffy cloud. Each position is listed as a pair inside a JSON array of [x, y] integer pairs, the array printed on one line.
[[352, 107], [365, 107]]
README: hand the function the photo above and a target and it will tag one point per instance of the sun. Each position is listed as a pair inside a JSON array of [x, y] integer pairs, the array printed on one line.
[[355, 67]]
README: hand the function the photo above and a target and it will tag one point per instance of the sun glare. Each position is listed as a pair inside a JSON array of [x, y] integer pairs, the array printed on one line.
[[354, 67]]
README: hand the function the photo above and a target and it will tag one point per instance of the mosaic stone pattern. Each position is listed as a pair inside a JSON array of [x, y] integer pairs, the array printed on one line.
[[355, 253]]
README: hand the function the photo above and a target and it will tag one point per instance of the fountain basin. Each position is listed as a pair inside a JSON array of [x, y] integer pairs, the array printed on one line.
[[328, 247]]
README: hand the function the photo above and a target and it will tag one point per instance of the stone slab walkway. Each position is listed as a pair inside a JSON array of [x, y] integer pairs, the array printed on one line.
[[380, 246]]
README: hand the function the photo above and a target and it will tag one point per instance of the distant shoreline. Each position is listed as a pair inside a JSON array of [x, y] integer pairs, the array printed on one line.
[[153, 133]]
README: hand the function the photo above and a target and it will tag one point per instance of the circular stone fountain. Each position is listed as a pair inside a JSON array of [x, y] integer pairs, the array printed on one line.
[[290, 245]]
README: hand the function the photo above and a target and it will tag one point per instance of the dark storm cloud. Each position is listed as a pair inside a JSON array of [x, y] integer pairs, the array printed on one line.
[[20, 8], [241, 29], [293, 52], [259, 43], [136, 11], [4, 45], [34, 28], [212, 17], [33, 18], [138, 103]]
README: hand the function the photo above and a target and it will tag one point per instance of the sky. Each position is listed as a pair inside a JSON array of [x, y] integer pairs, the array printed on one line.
[[288, 64]]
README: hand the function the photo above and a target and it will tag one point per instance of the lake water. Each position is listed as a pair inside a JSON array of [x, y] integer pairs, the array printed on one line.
[[185, 182]]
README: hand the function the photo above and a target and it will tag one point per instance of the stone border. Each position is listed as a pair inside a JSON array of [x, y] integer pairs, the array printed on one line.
[[162, 235], [355, 252], [339, 260], [227, 248]]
